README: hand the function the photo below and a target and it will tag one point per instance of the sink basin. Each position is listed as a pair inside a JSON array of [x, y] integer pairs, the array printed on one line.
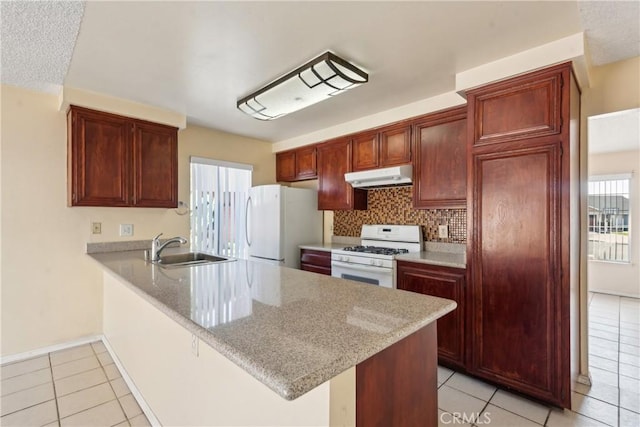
[[191, 259]]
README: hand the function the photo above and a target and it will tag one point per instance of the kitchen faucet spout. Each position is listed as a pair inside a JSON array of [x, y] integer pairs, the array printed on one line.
[[157, 248]]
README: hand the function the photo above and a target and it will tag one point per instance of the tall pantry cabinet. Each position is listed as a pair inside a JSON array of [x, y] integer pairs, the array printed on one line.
[[522, 210]]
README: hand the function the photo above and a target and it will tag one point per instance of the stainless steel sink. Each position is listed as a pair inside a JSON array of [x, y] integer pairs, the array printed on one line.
[[190, 259]]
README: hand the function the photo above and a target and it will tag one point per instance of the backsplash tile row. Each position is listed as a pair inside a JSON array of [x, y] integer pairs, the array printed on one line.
[[395, 206]]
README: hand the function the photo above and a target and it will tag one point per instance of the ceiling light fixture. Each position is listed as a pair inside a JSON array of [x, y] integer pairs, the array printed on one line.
[[319, 79]]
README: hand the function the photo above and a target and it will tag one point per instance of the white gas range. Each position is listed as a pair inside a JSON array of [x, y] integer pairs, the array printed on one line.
[[374, 261]]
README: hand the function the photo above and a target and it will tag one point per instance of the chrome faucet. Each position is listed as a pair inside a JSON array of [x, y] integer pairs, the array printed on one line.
[[156, 247]]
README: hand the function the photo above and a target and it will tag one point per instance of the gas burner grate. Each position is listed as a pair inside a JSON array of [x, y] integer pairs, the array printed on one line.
[[376, 250]]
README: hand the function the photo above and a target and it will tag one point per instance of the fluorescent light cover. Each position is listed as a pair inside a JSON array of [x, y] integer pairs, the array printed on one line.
[[323, 77]]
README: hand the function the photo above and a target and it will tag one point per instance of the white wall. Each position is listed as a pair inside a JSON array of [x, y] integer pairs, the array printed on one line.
[[51, 292], [616, 278]]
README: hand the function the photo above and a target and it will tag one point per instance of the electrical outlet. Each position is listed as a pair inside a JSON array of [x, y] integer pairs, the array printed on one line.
[[126, 230], [443, 231], [96, 227]]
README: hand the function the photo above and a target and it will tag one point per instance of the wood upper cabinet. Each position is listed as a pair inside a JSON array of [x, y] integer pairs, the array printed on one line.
[[440, 159], [395, 145], [388, 146], [297, 165], [118, 161], [365, 151], [315, 261], [519, 108], [522, 240], [441, 282], [334, 193]]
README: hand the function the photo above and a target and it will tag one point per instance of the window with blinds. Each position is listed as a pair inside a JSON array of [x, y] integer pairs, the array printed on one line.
[[609, 213], [219, 194]]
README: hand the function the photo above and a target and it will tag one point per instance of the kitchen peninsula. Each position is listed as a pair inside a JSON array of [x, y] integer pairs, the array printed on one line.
[[307, 349]]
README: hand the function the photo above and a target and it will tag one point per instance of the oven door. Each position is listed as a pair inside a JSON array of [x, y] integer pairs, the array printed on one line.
[[370, 274]]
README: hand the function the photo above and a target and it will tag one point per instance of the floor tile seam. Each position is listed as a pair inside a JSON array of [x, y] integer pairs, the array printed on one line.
[[75, 360], [600, 400], [111, 385], [604, 357], [630, 354], [627, 376], [606, 339], [24, 373], [469, 394], [515, 413], [83, 389], [55, 393], [27, 407], [90, 408], [595, 419], [15, 362], [4, 396]]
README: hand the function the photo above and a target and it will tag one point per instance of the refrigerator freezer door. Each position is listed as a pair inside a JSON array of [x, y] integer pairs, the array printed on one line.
[[265, 217]]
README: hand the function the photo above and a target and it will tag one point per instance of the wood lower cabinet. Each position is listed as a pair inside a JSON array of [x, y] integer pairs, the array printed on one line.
[[118, 161], [315, 261], [523, 236], [297, 165], [440, 160], [444, 282], [334, 193]]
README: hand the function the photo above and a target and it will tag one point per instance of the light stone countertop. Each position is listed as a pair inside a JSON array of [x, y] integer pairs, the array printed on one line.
[[290, 329], [326, 247], [445, 259]]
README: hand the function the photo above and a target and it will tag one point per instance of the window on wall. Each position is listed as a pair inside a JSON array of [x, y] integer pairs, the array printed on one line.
[[609, 218], [219, 194]]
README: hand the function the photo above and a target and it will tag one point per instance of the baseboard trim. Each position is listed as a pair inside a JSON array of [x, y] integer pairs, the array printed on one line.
[[584, 379], [49, 349], [153, 420], [87, 340]]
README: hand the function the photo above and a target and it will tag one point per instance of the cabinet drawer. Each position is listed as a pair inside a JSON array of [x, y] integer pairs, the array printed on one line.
[[317, 258], [316, 269]]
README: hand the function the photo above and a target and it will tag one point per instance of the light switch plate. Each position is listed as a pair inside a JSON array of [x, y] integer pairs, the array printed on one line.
[[126, 230], [96, 227], [443, 231]]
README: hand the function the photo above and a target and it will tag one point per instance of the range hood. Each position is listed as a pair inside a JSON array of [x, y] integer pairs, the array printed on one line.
[[376, 178]]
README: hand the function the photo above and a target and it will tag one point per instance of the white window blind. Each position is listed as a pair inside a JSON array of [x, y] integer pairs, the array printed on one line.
[[609, 217], [219, 193]]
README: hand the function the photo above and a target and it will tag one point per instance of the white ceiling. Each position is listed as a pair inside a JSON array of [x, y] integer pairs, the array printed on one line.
[[619, 131], [198, 58]]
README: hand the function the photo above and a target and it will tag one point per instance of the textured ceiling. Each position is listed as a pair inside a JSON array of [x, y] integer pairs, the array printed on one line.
[[612, 29], [198, 58], [37, 42]]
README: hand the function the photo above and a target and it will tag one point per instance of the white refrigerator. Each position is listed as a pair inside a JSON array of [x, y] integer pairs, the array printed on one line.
[[278, 220]]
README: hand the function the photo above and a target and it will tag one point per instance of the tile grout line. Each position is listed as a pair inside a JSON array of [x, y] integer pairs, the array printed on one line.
[[618, 376], [111, 386], [55, 392]]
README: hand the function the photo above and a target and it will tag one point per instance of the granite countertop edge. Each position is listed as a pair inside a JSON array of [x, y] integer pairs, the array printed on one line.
[[288, 390]]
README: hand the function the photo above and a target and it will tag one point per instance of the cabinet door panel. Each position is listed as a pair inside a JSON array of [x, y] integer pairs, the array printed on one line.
[[445, 283], [286, 166], [515, 279], [395, 146], [99, 160], [525, 110], [334, 193], [305, 163], [365, 151], [155, 166], [440, 158]]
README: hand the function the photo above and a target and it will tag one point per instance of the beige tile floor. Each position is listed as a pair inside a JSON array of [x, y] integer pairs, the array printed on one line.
[[79, 386], [82, 387], [613, 399]]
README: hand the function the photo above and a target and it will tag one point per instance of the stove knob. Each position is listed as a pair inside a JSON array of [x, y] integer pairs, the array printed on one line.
[[346, 259], [380, 263], [342, 258], [373, 262]]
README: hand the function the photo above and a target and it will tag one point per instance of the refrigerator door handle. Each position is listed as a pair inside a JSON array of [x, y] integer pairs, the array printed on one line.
[[246, 221]]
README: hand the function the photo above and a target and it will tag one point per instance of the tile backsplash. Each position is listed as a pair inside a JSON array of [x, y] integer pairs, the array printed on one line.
[[395, 206]]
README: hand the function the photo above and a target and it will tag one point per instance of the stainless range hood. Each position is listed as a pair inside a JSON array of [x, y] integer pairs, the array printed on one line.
[[376, 178]]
